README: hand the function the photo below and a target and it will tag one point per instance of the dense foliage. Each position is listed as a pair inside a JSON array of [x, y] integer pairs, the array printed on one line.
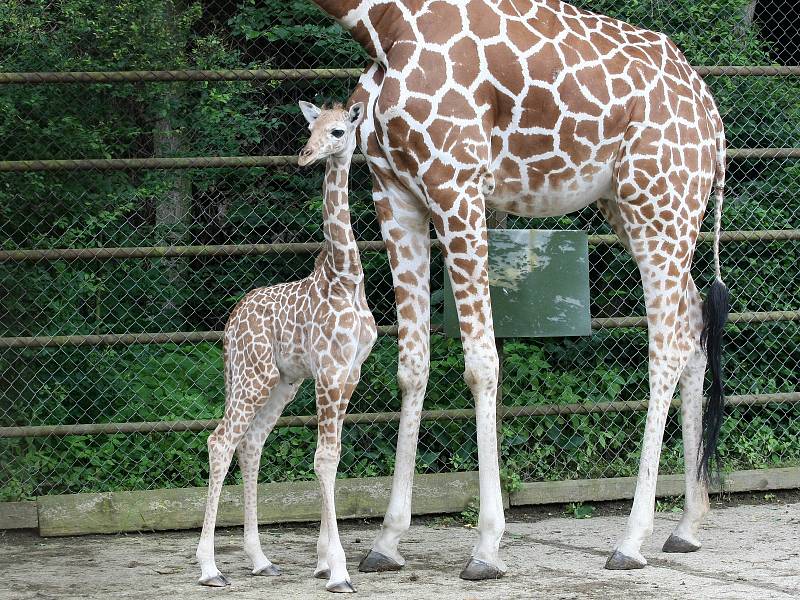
[[229, 206]]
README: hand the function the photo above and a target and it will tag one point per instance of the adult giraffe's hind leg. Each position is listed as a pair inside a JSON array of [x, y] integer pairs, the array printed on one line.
[[663, 249], [685, 537], [405, 230]]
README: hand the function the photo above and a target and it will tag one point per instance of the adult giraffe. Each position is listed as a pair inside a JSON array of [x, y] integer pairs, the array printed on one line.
[[537, 108]]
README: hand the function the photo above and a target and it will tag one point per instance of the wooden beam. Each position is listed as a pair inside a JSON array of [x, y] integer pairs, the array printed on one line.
[[622, 488], [18, 515], [157, 510], [287, 502]]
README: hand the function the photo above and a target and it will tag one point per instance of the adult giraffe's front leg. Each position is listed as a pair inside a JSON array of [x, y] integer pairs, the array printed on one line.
[[405, 225], [460, 221]]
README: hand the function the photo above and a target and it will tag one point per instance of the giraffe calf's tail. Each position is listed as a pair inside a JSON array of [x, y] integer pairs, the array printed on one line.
[[715, 314]]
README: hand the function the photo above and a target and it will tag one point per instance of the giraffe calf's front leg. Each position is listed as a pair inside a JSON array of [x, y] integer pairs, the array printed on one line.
[[332, 400]]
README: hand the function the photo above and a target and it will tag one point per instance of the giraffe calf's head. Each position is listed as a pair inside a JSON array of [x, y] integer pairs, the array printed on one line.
[[333, 131]]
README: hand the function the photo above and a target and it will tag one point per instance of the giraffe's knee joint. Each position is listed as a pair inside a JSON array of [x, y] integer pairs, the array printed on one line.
[[481, 369], [325, 465], [213, 441], [412, 372]]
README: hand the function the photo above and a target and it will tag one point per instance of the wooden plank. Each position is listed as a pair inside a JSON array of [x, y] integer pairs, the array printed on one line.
[[18, 515], [763, 479], [590, 490], [165, 509], [356, 498], [622, 488]]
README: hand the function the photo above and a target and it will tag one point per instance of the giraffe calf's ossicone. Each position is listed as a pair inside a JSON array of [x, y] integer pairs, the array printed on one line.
[[320, 328]]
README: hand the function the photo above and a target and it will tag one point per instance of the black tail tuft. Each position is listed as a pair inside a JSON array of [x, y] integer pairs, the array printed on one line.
[[715, 315]]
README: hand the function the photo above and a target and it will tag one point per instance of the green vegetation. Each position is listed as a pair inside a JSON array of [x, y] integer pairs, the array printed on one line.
[[672, 504], [579, 510], [229, 206]]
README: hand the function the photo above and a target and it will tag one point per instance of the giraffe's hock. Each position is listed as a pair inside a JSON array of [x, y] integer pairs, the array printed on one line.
[[375, 562], [218, 580], [678, 545], [478, 570], [621, 562]]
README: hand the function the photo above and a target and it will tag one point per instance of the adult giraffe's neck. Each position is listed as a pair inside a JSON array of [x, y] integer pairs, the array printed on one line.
[[343, 260], [375, 24]]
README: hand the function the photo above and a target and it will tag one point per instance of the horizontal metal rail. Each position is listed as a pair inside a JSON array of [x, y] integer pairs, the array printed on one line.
[[533, 410], [179, 75], [173, 251], [131, 339], [240, 162], [135, 164], [753, 153], [185, 75], [70, 254], [194, 337]]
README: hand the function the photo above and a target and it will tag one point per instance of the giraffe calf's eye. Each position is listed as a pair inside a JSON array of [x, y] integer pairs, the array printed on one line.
[[337, 133]]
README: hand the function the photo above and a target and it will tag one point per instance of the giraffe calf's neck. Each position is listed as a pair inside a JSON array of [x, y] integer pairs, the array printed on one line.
[[321, 328], [342, 259]]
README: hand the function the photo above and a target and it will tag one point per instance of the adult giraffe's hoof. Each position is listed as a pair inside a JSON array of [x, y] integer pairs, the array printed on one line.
[[218, 580], [478, 570], [619, 562], [375, 562], [342, 587], [268, 571], [675, 544], [322, 573]]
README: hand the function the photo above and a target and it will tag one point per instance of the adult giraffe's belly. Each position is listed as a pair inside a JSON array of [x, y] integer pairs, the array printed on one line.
[[536, 192]]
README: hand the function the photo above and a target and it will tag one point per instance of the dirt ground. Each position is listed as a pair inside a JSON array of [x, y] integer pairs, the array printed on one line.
[[752, 551]]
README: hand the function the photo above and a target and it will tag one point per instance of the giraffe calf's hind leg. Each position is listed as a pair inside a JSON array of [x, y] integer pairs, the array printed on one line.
[[243, 404], [249, 452]]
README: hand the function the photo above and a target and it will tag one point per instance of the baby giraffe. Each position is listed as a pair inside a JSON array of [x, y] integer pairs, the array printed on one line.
[[276, 337]]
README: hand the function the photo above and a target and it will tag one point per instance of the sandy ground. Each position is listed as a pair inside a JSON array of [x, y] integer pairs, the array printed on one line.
[[752, 551]]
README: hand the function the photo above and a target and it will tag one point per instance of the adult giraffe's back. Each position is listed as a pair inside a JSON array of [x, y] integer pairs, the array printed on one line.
[[538, 108]]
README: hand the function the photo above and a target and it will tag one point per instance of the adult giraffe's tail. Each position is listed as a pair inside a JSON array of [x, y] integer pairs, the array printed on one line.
[[715, 315]]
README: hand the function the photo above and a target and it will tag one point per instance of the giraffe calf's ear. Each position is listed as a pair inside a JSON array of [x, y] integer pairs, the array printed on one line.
[[356, 113], [310, 111]]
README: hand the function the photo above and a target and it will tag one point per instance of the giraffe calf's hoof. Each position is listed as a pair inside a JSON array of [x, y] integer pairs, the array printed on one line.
[[478, 570], [677, 545], [322, 574], [268, 571], [342, 587], [619, 562], [216, 581], [375, 562]]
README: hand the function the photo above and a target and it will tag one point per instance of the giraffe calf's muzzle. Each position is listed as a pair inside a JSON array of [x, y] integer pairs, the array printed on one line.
[[306, 157]]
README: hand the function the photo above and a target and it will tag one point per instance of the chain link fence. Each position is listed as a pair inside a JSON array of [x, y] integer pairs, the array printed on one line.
[[147, 183]]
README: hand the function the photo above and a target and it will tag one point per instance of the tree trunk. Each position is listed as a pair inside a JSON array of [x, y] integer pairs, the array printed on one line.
[[173, 210]]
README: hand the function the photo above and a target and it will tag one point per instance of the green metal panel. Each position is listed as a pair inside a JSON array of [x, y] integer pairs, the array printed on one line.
[[539, 284]]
